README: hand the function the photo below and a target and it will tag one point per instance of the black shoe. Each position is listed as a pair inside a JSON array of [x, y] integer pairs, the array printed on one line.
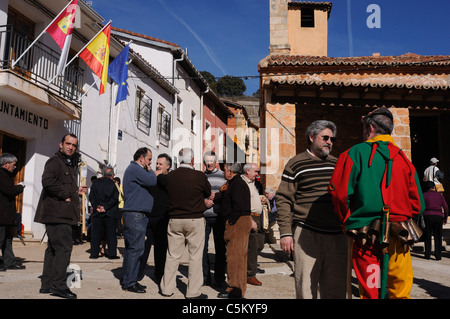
[[135, 289], [260, 271], [93, 257], [45, 291], [64, 293], [201, 296], [113, 257], [16, 267], [141, 286], [224, 294], [165, 295]]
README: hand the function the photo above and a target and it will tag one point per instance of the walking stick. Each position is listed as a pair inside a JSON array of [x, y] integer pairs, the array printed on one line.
[[349, 267], [83, 174]]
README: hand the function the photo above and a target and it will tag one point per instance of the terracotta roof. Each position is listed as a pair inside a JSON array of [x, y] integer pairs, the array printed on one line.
[[408, 81], [408, 59], [145, 37]]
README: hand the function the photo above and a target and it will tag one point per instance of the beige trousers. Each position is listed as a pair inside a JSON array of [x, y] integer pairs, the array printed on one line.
[[182, 233], [320, 268]]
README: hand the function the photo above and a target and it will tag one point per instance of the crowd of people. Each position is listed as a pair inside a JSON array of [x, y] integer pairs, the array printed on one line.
[[362, 210]]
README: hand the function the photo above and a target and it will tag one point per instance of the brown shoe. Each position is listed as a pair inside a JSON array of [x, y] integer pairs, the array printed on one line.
[[254, 281]]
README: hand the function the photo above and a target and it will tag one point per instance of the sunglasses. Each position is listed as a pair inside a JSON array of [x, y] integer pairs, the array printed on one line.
[[326, 138]]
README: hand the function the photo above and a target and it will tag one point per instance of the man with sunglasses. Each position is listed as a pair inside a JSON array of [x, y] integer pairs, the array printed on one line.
[[375, 191], [308, 226]]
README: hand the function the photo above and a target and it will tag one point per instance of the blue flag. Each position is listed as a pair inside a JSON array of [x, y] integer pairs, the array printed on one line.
[[118, 71]]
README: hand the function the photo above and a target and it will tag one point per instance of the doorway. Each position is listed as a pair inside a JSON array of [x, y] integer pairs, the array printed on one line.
[[424, 141]]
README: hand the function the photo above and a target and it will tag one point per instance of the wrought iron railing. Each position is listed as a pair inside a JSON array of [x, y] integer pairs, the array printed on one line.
[[39, 64]]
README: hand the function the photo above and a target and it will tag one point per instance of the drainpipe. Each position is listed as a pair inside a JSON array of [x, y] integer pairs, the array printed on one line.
[[175, 98], [202, 125]]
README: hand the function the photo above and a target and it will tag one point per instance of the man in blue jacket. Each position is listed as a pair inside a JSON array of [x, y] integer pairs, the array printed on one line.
[[137, 180]]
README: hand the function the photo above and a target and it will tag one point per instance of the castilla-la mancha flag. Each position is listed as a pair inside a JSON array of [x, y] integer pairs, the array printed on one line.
[[61, 31], [96, 55]]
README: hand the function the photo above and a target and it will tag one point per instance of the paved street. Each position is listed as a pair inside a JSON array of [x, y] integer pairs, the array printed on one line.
[[100, 278]]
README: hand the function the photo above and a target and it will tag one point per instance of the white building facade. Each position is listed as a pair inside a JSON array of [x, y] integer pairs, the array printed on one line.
[[187, 109], [34, 115]]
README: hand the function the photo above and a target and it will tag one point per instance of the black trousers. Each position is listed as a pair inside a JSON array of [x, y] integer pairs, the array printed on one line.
[[103, 227], [6, 238], [57, 256], [156, 235], [433, 227], [217, 225], [255, 246]]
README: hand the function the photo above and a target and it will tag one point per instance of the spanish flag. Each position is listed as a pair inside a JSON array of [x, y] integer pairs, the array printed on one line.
[[96, 55]]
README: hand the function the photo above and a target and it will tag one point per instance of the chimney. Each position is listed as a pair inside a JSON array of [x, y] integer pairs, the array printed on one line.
[[279, 35]]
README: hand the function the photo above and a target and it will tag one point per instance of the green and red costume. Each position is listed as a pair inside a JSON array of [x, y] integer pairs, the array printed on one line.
[[374, 180]]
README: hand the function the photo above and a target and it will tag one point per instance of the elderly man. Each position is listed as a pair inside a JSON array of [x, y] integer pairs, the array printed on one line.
[[8, 213], [59, 210], [272, 206], [104, 198], [137, 180], [305, 208], [256, 239], [236, 210], [376, 191], [214, 222], [433, 174], [187, 189]]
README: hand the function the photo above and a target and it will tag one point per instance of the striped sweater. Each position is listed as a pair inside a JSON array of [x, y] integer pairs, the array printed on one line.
[[216, 179], [302, 196]]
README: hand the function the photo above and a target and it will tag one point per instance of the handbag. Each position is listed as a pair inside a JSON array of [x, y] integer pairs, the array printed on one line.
[[439, 188]]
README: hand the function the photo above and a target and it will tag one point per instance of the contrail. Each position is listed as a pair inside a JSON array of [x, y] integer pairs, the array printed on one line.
[[208, 50], [349, 26]]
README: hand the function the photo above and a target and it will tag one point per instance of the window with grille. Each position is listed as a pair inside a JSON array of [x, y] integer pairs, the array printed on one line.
[[143, 111], [164, 123]]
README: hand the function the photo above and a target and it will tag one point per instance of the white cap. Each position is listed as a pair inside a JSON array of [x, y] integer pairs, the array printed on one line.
[[434, 160]]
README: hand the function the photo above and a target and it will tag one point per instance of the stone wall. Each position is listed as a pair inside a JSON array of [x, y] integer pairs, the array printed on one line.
[[281, 121], [280, 124], [401, 134]]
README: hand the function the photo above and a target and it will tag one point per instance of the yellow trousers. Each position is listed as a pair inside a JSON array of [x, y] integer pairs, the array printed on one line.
[[400, 274]]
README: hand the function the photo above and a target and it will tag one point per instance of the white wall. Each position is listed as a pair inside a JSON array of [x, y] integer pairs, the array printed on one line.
[[101, 120]]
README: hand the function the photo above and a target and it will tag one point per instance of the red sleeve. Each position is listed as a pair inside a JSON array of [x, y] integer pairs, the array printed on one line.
[[339, 186]]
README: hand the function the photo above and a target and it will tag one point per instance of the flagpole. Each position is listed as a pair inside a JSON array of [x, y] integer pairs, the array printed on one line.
[[45, 30], [81, 50], [87, 91]]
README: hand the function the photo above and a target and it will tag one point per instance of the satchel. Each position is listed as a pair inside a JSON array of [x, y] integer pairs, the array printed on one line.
[[439, 188]]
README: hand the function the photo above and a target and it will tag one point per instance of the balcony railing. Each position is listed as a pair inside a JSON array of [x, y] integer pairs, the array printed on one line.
[[39, 64]]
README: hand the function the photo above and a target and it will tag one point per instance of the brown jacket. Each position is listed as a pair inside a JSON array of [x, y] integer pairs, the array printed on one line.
[[187, 189], [59, 182]]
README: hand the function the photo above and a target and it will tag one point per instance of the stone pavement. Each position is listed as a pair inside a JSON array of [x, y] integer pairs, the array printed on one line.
[[100, 277]]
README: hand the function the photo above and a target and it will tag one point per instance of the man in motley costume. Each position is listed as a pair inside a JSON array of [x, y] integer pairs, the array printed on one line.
[[376, 193]]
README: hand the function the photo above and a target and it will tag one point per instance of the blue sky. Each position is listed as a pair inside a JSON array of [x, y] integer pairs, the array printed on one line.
[[230, 37]]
